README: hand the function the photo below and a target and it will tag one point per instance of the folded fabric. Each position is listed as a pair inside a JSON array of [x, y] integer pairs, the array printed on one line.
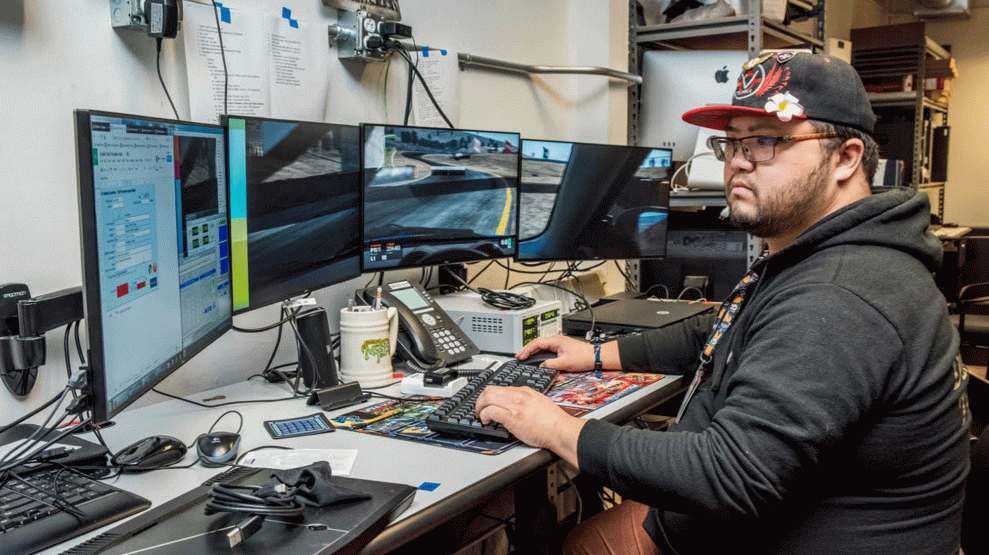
[[314, 485]]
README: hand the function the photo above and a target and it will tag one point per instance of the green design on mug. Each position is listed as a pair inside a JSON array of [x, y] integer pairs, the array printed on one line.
[[377, 347]]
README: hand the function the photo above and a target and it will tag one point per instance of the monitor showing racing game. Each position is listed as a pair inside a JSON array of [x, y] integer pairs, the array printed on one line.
[[294, 214], [584, 201], [437, 196]]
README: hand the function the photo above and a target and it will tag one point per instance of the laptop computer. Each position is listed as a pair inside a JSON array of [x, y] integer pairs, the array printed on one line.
[[632, 315]]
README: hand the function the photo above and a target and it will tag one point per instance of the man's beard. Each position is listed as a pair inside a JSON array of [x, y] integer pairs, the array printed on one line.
[[775, 214]]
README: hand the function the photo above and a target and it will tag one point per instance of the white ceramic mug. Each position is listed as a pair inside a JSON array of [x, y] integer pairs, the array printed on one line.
[[367, 342]]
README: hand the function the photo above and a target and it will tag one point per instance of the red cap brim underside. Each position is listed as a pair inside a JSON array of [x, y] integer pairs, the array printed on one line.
[[717, 117]]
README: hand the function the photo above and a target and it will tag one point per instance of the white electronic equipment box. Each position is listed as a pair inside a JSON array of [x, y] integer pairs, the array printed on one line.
[[495, 330]]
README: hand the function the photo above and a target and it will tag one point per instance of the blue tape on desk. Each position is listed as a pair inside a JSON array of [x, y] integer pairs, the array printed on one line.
[[428, 486]]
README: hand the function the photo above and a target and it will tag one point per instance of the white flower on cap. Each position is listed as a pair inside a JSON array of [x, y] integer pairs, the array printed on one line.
[[785, 106]]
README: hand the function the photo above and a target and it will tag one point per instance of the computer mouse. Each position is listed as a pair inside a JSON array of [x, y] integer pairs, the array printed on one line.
[[217, 448], [538, 357], [150, 453]]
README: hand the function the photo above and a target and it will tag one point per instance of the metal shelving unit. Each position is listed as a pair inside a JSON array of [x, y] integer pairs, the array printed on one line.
[[751, 32], [907, 50]]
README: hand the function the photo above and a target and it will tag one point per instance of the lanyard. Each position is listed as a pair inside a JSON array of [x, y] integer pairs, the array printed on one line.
[[726, 316]]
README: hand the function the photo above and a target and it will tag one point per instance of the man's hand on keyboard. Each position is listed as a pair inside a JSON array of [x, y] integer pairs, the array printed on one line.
[[531, 417]]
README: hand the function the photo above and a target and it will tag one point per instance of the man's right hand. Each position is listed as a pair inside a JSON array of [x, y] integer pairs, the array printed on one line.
[[572, 355]]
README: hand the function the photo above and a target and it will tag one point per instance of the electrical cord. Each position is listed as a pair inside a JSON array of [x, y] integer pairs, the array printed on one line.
[[162, 81], [223, 58], [666, 290], [400, 48], [505, 300]]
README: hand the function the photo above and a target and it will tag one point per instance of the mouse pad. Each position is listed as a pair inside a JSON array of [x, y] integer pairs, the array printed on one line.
[[181, 526]]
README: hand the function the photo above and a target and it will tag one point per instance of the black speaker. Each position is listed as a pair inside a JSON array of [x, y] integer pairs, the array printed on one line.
[[320, 369], [939, 154]]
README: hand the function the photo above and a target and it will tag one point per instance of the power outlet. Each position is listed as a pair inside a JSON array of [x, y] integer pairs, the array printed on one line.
[[356, 37]]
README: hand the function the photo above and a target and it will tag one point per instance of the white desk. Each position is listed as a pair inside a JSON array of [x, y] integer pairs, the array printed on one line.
[[465, 479]]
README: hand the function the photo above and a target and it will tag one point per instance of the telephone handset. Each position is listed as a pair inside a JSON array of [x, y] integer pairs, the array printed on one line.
[[427, 336]]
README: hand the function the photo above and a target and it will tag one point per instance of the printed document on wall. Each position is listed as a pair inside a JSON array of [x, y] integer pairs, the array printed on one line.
[[242, 32], [298, 76], [441, 71]]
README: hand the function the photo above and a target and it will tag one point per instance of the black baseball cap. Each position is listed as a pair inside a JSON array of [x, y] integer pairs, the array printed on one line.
[[794, 85]]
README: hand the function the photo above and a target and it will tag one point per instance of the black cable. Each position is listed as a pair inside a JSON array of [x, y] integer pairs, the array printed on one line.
[[499, 299], [400, 48], [79, 351], [34, 412], [225, 404], [162, 81], [278, 324], [223, 57]]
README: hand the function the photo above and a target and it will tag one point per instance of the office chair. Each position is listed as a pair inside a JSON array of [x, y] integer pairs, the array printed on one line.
[[975, 512], [973, 313]]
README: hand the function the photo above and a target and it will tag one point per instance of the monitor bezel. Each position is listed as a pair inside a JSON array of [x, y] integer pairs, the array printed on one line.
[[89, 247], [518, 250], [518, 181], [225, 122]]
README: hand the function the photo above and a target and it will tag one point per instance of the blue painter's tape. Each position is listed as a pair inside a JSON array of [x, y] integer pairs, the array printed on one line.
[[286, 13], [425, 51], [428, 486], [443, 52]]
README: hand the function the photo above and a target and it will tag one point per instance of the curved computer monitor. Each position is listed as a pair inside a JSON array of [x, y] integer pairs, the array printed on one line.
[[584, 201], [155, 252], [294, 214], [437, 196]]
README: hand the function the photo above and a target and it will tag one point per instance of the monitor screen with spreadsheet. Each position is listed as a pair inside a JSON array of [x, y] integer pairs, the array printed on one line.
[[155, 249]]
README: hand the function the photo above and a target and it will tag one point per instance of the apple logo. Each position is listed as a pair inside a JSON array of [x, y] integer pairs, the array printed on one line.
[[721, 76]]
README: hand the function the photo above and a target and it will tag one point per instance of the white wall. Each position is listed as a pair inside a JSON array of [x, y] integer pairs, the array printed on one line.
[[966, 199], [59, 56]]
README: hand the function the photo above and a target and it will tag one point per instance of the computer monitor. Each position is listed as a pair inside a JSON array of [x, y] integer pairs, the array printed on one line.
[[705, 258], [437, 196], [674, 81], [294, 214], [584, 201], [155, 252]]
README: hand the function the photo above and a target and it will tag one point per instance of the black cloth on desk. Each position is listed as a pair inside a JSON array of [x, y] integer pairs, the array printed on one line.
[[833, 420], [315, 486]]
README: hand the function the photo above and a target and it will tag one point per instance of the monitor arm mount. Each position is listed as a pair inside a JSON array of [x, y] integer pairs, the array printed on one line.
[[24, 320]]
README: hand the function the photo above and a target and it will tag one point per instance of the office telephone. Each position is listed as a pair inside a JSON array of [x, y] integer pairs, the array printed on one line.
[[427, 336]]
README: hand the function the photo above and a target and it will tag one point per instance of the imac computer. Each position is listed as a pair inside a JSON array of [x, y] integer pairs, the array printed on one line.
[[437, 196], [583, 201], [294, 213], [155, 251]]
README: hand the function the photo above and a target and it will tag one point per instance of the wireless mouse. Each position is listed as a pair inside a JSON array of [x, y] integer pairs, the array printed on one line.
[[218, 448], [150, 453]]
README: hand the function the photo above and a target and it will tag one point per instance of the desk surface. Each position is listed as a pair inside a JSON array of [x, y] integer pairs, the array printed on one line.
[[465, 479]]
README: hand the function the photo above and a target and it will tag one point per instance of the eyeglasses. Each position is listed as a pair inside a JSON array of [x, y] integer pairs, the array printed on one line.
[[756, 148]]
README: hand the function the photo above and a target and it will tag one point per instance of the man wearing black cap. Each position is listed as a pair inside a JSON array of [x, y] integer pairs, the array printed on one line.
[[827, 411]]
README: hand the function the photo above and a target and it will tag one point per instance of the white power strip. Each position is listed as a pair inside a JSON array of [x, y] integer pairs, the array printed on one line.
[[412, 385]]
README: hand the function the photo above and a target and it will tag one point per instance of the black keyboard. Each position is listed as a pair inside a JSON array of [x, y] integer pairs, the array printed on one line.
[[456, 416], [39, 509]]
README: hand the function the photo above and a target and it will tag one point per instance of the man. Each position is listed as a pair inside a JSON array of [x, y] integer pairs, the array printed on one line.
[[828, 414]]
